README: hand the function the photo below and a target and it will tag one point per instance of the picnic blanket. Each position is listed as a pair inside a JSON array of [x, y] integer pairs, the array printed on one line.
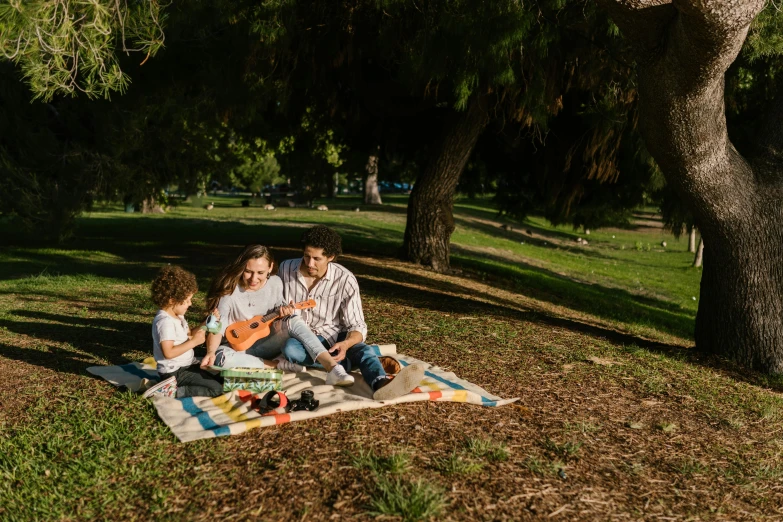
[[196, 418]]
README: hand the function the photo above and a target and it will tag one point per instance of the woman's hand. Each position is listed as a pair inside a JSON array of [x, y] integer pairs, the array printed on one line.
[[208, 360], [287, 310]]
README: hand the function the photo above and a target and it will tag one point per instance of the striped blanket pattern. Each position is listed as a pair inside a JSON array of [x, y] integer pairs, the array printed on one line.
[[196, 418]]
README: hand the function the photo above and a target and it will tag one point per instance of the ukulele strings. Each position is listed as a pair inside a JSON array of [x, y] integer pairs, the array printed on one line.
[[257, 323]]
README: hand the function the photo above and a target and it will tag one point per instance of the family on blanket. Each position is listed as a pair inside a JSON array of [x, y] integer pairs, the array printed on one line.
[[330, 335]]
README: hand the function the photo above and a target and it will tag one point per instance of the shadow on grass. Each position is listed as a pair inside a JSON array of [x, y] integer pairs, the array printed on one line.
[[105, 338], [607, 303], [432, 297], [519, 235], [144, 244], [110, 339]]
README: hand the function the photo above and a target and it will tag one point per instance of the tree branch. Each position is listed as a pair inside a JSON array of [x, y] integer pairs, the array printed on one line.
[[683, 51], [643, 23]]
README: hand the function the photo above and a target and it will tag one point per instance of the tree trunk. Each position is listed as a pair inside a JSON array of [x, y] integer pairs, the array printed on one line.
[[741, 303], [335, 188], [683, 50], [372, 196], [430, 220], [697, 260], [150, 205], [692, 239]]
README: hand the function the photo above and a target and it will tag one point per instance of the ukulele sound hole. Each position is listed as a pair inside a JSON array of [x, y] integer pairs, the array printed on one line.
[[254, 325]]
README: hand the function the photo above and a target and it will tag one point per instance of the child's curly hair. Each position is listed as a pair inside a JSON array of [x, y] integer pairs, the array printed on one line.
[[321, 236], [172, 285]]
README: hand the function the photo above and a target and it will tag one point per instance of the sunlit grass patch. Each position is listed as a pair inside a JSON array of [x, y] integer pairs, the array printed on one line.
[[565, 450], [397, 463], [690, 466], [484, 447], [74, 444], [456, 464], [583, 427], [535, 464], [411, 501]]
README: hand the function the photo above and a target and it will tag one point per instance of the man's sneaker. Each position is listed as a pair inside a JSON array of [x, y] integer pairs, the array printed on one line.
[[165, 388], [405, 381], [337, 376], [287, 366]]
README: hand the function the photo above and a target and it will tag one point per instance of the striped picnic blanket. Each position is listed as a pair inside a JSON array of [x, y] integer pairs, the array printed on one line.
[[196, 418]]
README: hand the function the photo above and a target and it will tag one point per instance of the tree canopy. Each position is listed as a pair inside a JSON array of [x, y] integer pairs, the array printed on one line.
[[547, 105]]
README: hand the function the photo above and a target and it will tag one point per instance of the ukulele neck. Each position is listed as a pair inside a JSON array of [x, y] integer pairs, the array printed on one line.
[[271, 316]]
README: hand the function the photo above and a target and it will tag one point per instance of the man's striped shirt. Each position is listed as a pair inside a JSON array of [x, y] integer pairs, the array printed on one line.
[[338, 303]]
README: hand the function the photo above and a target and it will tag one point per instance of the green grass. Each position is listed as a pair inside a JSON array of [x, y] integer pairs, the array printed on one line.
[[411, 501], [643, 292], [84, 303], [82, 455], [483, 447], [456, 464], [565, 450], [396, 464]]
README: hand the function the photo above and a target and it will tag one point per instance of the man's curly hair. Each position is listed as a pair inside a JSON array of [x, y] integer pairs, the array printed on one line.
[[173, 285], [321, 236]]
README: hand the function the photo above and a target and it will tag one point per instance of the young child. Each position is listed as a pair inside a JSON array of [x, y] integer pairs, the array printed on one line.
[[173, 341]]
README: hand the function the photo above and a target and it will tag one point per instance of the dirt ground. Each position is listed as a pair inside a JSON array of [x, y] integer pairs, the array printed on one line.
[[608, 425]]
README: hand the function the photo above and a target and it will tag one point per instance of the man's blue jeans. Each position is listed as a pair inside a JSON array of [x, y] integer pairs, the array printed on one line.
[[358, 356]]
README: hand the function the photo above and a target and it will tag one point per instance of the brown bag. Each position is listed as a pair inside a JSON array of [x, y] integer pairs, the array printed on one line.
[[390, 365]]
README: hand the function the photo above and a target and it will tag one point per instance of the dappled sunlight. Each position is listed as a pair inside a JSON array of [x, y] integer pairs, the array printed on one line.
[[603, 369]]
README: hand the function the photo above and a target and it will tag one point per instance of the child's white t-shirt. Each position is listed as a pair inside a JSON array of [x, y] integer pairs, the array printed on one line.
[[168, 328]]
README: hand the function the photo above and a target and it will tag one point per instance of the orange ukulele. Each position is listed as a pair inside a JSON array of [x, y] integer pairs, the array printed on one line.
[[243, 334]]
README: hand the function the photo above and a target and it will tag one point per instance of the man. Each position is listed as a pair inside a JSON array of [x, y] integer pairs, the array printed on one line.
[[337, 319]]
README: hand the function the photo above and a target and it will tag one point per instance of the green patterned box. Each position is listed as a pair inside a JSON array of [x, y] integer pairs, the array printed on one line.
[[256, 380]]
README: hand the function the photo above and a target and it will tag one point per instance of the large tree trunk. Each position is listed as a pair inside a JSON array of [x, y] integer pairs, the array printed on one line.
[[699, 257], [683, 52], [741, 305], [430, 220], [372, 196]]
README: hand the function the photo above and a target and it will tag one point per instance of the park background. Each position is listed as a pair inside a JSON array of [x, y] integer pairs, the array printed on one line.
[[486, 168]]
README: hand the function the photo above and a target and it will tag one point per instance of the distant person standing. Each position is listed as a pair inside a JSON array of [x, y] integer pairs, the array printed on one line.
[[338, 318]]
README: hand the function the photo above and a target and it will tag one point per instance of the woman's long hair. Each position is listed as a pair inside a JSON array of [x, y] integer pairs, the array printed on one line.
[[231, 275]]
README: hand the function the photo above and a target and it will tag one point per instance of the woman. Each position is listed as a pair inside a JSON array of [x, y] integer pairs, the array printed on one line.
[[246, 288]]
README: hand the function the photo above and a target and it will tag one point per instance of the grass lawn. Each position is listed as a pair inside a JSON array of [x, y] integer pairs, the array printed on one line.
[[618, 417]]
